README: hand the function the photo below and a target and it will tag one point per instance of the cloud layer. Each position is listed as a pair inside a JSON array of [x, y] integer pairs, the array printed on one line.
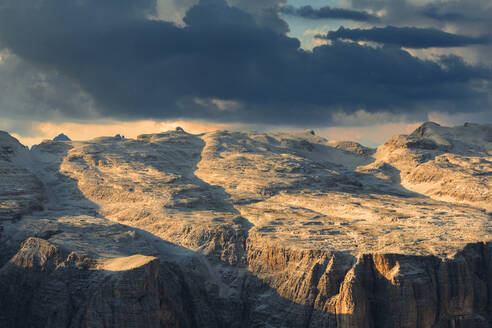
[[329, 13], [408, 37], [110, 59]]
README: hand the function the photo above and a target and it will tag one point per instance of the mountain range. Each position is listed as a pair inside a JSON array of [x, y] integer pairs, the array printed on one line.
[[248, 229]]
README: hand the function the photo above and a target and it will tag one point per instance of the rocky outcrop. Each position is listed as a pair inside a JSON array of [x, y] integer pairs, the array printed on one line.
[[381, 290], [46, 286], [21, 191], [451, 164]]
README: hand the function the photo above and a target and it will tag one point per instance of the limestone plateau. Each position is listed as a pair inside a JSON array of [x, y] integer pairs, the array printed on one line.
[[245, 229]]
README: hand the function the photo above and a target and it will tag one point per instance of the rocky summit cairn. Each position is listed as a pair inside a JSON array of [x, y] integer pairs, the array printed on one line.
[[247, 229], [61, 137]]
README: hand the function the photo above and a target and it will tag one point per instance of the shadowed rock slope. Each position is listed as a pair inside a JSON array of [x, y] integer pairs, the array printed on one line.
[[244, 229]]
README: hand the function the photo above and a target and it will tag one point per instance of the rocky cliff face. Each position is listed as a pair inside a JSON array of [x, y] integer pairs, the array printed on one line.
[[46, 286], [21, 191], [235, 229], [380, 290]]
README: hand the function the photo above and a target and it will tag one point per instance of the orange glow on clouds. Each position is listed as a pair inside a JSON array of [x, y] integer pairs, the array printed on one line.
[[371, 136], [82, 131]]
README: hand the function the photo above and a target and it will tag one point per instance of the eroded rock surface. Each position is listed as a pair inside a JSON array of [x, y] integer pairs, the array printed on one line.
[[21, 191], [237, 229], [451, 164]]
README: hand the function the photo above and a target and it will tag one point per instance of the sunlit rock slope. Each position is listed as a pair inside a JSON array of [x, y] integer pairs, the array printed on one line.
[[245, 229]]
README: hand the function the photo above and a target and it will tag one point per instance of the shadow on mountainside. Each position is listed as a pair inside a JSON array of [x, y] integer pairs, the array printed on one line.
[[53, 287], [48, 286], [173, 157], [320, 167]]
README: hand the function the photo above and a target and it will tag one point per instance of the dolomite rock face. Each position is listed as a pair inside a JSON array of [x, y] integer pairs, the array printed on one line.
[[45, 286], [21, 191], [452, 164], [238, 229]]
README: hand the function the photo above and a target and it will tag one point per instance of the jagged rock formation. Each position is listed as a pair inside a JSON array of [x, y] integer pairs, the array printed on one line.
[[236, 229]]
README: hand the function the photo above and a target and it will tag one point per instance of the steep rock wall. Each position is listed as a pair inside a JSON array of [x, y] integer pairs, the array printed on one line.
[[45, 286], [381, 290]]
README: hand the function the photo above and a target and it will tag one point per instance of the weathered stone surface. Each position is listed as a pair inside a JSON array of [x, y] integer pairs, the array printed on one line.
[[21, 191], [236, 229], [451, 164]]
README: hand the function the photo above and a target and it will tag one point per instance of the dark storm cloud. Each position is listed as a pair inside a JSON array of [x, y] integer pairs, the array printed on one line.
[[265, 12], [28, 93], [133, 67], [408, 37], [464, 17], [440, 13], [329, 13], [462, 12]]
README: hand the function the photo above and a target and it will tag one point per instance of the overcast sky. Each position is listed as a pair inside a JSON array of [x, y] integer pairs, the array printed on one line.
[[340, 66]]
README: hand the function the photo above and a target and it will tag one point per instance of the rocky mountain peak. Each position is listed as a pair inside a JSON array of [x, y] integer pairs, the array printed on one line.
[[9, 146], [426, 129], [61, 137]]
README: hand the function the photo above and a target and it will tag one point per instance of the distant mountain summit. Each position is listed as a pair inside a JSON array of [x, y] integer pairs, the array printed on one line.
[[61, 137]]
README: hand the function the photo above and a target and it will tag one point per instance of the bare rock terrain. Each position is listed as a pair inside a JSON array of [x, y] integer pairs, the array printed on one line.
[[246, 229]]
